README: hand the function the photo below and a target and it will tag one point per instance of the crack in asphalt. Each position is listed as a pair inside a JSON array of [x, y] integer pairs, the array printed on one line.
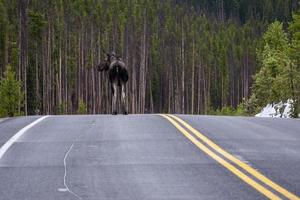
[[65, 174], [65, 165]]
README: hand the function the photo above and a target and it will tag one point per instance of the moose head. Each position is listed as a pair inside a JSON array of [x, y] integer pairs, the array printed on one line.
[[109, 58], [104, 65]]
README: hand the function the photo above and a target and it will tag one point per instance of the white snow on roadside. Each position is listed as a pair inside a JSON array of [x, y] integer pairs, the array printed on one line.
[[273, 110]]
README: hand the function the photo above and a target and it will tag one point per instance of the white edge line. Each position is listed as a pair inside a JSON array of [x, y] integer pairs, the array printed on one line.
[[13, 139]]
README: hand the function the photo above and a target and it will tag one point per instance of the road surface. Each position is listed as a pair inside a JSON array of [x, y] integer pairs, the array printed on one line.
[[151, 157]]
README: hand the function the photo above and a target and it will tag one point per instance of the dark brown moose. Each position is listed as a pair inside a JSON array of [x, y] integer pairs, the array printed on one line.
[[118, 76]]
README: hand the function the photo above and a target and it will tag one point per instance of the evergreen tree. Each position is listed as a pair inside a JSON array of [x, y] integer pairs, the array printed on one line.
[[275, 82], [294, 73], [270, 58], [81, 108], [10, 96]]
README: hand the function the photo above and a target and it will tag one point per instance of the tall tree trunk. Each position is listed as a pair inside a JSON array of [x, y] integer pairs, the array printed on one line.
[[193, 77], [60, 74], [142, 90], [183, 70], [37, 90], [93, 72], [23, 48]]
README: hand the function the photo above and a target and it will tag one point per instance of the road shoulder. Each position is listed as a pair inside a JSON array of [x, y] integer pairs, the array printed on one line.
[[10, 126]]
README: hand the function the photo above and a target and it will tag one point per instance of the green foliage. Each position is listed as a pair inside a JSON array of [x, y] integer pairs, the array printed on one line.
[[294, 52], [61, 108], [82, 109], [241, 110], [36, 24], [227, 110], [10, 96], [273, 59], [3, 33], [277, 80]]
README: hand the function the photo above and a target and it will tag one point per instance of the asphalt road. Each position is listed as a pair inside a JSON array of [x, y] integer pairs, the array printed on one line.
[[137, 157]]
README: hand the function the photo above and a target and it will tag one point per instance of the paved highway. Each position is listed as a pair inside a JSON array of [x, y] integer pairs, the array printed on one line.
[[151, 157]]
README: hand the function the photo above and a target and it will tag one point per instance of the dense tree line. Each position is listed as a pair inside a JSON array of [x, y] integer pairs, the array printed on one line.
[[182, 56]]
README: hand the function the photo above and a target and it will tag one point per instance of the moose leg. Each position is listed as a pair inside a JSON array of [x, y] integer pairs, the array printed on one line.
[[123, 99], [114, 106]]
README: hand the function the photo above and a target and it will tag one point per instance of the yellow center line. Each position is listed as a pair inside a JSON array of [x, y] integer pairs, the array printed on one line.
[[223, 162], [238, 162]]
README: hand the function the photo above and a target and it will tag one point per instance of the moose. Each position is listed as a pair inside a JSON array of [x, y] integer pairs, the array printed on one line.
[[118, 77]]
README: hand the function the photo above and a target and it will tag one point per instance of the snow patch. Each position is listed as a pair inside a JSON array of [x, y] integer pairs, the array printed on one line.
[[280, 110]]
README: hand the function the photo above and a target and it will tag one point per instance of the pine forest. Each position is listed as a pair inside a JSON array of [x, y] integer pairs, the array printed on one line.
[[182, 56]]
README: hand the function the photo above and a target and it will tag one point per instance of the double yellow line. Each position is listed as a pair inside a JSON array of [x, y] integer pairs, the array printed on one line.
[[231, 161]]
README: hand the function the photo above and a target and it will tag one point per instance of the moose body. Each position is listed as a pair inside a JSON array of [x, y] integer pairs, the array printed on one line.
[[118, 77]]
